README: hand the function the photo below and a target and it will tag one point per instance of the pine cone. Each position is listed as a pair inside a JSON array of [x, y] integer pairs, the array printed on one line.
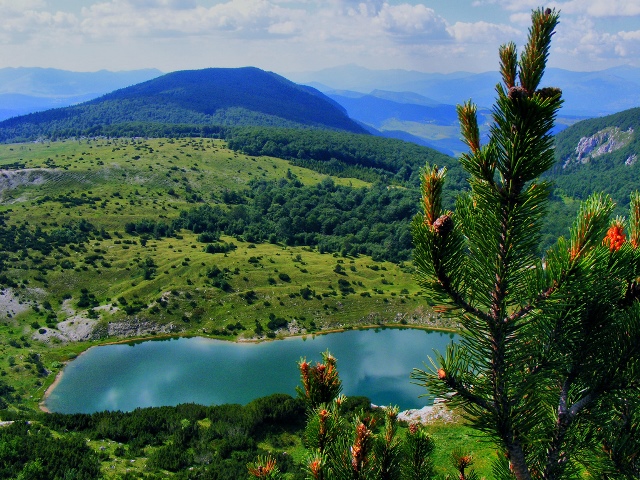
[[517, 93], [548, 92], [443, 225]]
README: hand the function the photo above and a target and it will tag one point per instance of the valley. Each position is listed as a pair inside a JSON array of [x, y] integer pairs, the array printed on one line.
[[88, 277], [76, 272], [157, 212]]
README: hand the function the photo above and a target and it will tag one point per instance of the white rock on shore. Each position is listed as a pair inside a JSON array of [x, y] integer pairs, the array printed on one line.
[[427, 414]]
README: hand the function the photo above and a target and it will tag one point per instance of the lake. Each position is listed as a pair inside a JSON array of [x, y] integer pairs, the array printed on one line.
[[374, 362]]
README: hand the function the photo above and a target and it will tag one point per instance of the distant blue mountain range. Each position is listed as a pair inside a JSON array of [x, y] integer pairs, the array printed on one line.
[[586, 94], [413, 106], [420, 107], [27, 90]]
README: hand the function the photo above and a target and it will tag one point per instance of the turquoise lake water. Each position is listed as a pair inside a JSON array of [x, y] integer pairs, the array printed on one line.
[[375, 363]]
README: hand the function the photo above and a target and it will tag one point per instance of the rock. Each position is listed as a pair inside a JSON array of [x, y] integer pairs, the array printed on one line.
[[428, 414], [605, 141]]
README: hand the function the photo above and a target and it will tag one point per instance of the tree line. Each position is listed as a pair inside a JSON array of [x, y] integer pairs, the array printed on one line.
[[367, 221]]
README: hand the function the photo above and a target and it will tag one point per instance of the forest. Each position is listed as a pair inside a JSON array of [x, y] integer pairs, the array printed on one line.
[[330, 217], [215, 441]]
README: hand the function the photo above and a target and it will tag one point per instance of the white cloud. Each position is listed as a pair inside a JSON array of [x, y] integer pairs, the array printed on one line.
[[184, 18], [166, 4], [510, 5], [19, 26], [483, 32], [522, 19], [356, 7], [600, 8], [7, 6], [633, 36], [317, 33], [580, 40], [594, 8], [413, 23]]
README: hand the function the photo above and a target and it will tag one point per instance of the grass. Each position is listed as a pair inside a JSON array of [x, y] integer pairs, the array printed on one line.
[[450, 437], [111, 182]]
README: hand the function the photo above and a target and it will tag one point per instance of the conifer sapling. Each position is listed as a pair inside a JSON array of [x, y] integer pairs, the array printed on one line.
[[549, 356]]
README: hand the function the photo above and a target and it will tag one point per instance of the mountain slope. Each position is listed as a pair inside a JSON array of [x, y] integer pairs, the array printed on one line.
[[599, 154], [606, 141], [197, 97]]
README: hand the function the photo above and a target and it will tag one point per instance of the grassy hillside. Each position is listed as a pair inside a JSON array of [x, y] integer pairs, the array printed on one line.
[[84, 279]]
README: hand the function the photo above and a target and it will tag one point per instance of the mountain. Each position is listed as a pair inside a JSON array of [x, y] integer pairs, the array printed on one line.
[[28, 90], [587, 94], [599, 155], [610, 142], [242, 96], [408, 116], [420, 107], [374, 109]]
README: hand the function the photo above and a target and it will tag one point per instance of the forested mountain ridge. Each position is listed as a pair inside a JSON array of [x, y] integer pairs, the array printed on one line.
[[599, 154], [596, 137], [214, 96]]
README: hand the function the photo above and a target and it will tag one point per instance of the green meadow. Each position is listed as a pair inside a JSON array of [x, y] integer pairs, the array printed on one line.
[[109, 285], [115, 285]]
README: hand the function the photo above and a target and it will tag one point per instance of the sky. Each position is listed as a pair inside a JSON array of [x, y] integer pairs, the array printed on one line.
[[287, 36]]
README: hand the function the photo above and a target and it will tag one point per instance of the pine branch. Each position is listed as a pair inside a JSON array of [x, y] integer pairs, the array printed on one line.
[[508, 64], [457, 298], [536, 53], [536, 304], [462, 390], [535, 331]]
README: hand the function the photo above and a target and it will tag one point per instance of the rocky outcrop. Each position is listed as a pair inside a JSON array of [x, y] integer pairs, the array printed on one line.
[[133, 327], [605, 141]]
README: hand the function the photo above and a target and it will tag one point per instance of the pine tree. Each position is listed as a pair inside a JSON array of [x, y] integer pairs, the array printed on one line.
[[548, 364], [349, 447]]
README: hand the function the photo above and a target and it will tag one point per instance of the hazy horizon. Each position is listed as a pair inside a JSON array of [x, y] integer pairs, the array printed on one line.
[[291, 36]]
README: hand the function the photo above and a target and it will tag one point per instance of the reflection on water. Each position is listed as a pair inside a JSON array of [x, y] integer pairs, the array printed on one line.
[[375, 363]]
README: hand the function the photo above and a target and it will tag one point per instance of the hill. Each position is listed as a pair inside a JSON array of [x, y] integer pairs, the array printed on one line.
[[243, 96], [599, 154], [595, 155], [28, 90]]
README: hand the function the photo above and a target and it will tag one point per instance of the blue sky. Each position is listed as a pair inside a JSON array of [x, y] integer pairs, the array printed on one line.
[[306, 35]]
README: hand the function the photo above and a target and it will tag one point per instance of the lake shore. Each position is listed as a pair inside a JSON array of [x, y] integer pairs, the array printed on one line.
[[43, 407], [42, 404]]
